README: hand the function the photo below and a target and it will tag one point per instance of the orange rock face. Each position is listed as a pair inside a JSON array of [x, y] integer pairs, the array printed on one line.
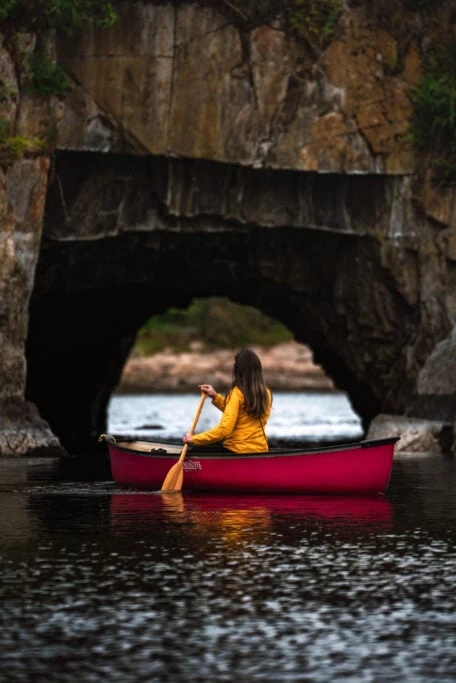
[[184, 81]]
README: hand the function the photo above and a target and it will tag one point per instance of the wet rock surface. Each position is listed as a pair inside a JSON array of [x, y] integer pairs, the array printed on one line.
[[416, 436]]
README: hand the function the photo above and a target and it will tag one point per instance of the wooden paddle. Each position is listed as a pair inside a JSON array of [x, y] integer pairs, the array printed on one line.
[[175, 477]]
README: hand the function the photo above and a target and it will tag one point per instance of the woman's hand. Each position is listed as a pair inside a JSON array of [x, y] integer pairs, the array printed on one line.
[[188, 438], [208, 389]]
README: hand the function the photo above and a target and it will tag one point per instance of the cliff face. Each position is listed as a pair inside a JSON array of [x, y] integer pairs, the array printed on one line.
[[184, 81], [23, 186], [200, 159]]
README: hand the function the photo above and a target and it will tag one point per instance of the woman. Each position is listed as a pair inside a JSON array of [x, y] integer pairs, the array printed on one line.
[[245, 409]]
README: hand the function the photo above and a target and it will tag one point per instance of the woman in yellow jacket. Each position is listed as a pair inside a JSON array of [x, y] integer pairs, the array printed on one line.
[[245, 409]]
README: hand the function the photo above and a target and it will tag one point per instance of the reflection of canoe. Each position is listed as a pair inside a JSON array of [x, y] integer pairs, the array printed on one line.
[[354, 509], [238, 520], [362, 468]]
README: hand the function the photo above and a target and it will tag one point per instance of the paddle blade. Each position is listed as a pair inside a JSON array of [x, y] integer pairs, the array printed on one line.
[[174, 479]]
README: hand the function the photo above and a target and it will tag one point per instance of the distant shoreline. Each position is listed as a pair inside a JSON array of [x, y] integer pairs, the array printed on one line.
[[286, 367]]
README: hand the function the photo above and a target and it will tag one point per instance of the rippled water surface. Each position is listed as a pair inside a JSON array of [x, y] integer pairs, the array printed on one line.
[[104, 584]]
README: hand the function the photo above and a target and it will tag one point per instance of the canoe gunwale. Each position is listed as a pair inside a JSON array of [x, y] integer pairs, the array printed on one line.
[[275, 453]]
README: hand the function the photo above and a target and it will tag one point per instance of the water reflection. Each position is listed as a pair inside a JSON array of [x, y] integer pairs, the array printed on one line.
[[248, 516], [99, 583]]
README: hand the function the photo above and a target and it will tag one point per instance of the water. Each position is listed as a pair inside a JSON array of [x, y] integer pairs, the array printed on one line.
[[300, 417], [100, 583]]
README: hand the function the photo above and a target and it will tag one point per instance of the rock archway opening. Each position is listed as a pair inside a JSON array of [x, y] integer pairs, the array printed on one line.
[[86, 347], [177, 350], [180, 348]]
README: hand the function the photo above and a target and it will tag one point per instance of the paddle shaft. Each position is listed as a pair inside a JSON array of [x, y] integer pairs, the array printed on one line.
[[193, 427], [174, 478]]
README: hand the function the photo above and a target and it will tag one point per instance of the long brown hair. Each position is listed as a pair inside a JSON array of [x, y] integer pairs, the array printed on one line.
[[248, 377]]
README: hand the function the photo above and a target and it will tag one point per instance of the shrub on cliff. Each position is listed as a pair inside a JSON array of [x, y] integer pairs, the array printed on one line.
[[434, 121], [215, 323], [47, 77], [313, 21], [66, 15]]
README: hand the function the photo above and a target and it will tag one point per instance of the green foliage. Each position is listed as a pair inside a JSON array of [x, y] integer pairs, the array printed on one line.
[[48, 78], [6, 8], [71, 14], [435, 113], [66, 15], [315, 20], [434, 121], [18, 145], [215, 323], [4, 129]]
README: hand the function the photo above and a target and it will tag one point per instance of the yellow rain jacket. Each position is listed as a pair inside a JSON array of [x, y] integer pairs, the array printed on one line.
[[239, 431]]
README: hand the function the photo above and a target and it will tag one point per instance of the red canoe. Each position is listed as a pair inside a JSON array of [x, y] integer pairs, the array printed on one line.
[[362, 468]]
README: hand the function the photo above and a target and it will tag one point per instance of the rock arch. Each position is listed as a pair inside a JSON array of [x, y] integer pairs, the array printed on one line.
[[127, 237]]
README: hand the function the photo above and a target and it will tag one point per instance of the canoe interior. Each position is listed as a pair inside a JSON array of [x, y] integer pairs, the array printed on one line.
[[150, 447]]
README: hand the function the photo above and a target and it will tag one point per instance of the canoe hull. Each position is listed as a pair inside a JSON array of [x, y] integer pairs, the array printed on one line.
[[356, 469]]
